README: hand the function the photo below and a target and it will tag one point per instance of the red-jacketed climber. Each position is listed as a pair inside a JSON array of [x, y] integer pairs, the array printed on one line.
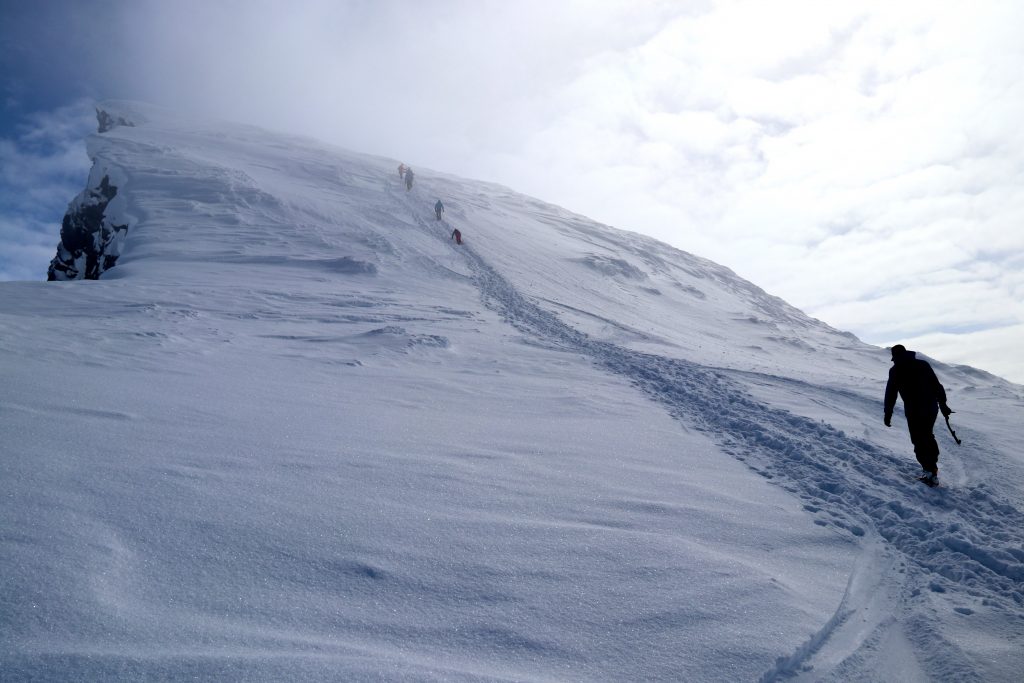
[[457, 236]]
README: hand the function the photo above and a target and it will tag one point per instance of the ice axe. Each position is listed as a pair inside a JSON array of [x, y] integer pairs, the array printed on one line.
[[950, 427]]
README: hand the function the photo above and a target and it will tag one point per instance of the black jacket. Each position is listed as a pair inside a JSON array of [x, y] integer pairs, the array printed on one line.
[[915, 382]]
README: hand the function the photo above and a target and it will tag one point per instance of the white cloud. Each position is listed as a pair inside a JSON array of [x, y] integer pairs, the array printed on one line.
[[985, 349], [28, 246], [42, 167]]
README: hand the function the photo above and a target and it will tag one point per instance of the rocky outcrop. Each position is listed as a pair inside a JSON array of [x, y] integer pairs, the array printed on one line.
[[91, 232], [89, 240], [108, 121]]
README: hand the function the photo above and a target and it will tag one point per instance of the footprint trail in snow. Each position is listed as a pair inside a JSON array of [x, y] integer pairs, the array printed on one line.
[[966, 543]]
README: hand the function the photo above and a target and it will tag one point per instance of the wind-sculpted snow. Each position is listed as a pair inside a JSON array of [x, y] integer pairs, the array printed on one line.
[[298, 433], [966, 541], [612, 266]]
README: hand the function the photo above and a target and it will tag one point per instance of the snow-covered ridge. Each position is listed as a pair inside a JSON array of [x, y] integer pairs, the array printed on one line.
[[304, 435], [677, 287]]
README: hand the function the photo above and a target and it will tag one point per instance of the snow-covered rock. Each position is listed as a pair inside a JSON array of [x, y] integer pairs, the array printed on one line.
[[108, 121], [93, 228]]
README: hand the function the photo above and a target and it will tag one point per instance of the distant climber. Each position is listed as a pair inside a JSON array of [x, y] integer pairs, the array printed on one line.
[[439, 209], [408, 178], [457, 236], [923, 397], [401, 170]]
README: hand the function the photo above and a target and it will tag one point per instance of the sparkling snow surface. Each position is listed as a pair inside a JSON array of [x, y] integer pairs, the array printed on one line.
[[298, 434]]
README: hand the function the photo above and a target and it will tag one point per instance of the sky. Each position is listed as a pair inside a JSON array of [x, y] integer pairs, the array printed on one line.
[[863, 161]]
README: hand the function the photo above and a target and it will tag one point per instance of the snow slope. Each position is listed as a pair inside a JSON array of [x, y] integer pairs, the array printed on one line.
[[296, 433]]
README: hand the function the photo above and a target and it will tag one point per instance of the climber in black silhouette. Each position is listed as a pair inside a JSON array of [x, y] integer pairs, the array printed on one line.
[[913, 379]]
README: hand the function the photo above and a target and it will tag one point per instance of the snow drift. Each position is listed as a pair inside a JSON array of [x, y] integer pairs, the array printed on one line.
[[297, 433]]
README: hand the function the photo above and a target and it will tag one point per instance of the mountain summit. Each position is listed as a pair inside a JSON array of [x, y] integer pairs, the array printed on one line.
[[291, 430]]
